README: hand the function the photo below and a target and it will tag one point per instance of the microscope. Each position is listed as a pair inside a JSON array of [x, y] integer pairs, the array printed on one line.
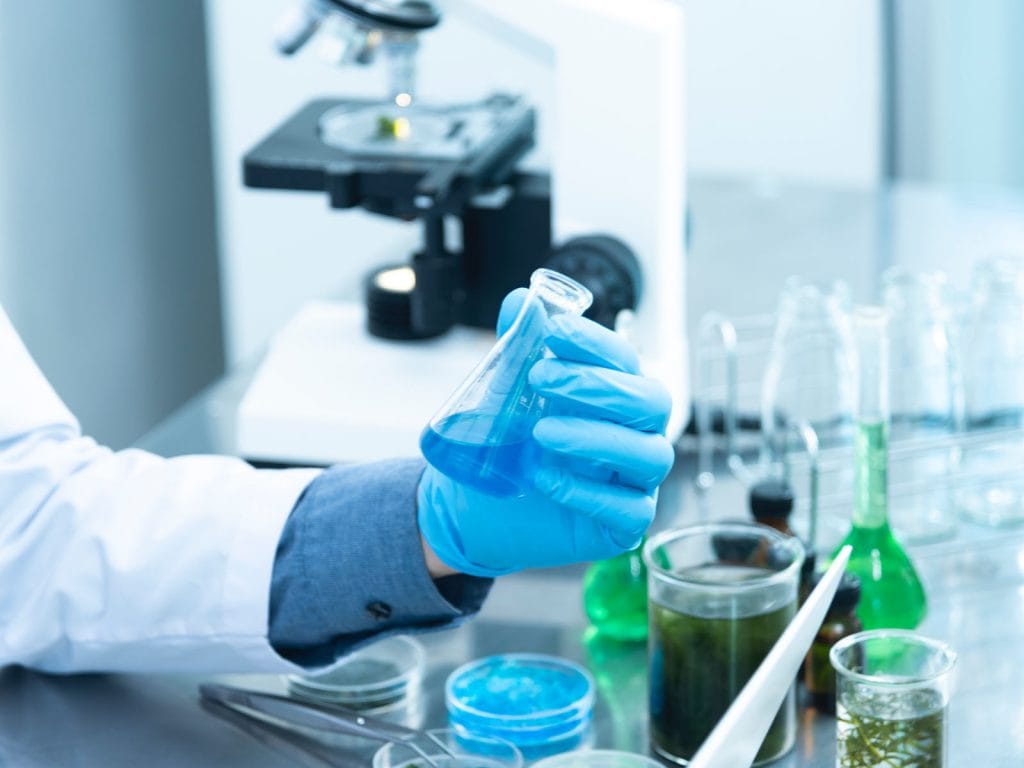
[[610, 214]]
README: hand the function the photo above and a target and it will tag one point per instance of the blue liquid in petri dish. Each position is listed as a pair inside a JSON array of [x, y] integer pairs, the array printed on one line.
[[542, 704], [465, 448]]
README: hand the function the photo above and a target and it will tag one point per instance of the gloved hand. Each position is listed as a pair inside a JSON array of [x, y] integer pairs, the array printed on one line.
[[595, 488]]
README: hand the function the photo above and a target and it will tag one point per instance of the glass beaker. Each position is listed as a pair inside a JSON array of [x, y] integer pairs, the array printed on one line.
[[925, 403], [991, 485], [482, 435], [809, 371], [893, 690], [891, 592], [721, 594]]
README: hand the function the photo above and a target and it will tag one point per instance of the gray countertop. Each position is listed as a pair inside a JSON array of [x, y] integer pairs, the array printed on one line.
[[747, 238]]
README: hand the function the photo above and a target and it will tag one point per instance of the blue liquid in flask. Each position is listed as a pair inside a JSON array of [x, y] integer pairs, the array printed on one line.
[[483, 436], [488, 452]]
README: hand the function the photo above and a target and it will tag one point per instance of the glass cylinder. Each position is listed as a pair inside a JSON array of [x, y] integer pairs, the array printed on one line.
[[482, 436], [893, 690], [925, 402], [809, 376], [720, 595], [990, 483]]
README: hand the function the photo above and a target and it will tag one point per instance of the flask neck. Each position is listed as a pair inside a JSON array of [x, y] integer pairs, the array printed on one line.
[[871, 480]]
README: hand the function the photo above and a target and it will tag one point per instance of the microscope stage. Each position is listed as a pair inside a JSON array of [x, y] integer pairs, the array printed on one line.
[[416, 132], [404, 162]]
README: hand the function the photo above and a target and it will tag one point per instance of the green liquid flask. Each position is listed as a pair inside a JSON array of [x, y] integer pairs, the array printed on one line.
[[615, 596], [891, 592]]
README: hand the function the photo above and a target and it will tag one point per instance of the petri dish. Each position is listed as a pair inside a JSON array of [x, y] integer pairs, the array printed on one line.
[[377, 678], [447, 749], [542, 704], [598, 758]]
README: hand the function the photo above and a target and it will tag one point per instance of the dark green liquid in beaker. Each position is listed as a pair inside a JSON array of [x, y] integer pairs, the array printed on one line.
[[699, 665]]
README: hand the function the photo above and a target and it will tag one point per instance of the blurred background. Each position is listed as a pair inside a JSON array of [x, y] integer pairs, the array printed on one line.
[[138, 269]]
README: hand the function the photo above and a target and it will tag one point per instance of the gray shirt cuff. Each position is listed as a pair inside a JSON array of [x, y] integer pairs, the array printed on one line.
[[349, 566]]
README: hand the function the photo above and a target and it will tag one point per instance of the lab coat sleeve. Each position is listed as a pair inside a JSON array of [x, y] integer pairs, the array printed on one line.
[[350, 566], [126, 561]]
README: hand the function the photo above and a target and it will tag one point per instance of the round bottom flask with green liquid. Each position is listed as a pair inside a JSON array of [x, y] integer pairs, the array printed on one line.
[[615, 597], [892, 595], [720, 596]]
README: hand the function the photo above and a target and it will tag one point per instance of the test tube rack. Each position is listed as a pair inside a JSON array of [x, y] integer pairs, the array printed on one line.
[[731, 355]]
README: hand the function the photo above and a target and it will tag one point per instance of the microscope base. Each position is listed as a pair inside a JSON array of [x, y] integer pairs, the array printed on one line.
[[327, 391]]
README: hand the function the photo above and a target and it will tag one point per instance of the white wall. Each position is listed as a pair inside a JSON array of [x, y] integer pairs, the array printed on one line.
[[784, 88], [788, 88], [108, 263]]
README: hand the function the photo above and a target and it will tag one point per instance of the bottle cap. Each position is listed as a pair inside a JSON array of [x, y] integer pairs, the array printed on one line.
[[847, 594], [807, 575], [771, 498]]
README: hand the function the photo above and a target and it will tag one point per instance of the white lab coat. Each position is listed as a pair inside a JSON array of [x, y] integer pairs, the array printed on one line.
[[127, 561]]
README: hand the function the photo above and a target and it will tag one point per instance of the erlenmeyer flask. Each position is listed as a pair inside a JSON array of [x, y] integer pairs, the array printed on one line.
[[482, 435], [925, 402], [809, 373]]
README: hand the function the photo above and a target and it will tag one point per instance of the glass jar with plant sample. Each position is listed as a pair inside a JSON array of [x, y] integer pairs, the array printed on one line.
[[720, 595], [892, 698]]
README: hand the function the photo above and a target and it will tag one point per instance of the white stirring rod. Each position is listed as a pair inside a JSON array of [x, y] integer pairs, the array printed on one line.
[[737, 737]]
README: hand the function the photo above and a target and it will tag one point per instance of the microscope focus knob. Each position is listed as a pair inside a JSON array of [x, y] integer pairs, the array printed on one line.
[[606, 266]]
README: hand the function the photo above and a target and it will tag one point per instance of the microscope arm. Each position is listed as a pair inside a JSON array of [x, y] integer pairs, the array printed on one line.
[[617, 163]]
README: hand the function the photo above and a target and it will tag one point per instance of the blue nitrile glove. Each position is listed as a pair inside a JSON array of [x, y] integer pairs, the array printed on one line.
[[595, 491]]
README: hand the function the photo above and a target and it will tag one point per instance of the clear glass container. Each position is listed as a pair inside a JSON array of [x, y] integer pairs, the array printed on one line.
[[721, 594], [808, 377], [926, 405], [893, 690], [483, 436], [891, 591], [990, 481], [447, 749]]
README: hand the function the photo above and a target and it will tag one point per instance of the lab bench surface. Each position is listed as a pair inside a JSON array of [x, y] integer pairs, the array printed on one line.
[[975, 583]]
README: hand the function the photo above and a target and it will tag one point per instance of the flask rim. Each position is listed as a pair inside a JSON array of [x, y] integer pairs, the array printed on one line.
[[560, 290]]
